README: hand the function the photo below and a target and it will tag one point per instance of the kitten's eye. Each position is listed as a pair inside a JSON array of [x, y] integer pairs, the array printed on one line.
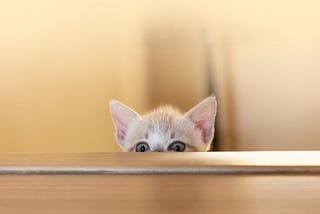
[[177, 146], [142, 147]]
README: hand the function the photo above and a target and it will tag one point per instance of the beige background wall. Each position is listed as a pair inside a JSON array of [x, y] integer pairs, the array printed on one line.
[[60, 63], [272, 52]]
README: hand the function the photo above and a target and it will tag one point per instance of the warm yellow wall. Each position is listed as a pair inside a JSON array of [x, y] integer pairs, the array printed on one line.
[[61, 61]]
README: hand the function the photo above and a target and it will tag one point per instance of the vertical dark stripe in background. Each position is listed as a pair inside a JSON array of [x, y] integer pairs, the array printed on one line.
[[211, 89]]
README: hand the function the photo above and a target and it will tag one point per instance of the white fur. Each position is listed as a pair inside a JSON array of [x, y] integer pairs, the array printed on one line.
[[165, 125]]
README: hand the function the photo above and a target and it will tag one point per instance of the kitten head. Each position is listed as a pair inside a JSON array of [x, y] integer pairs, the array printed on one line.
[[165, 129]]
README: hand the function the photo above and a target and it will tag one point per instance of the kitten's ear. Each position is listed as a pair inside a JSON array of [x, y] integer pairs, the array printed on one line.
[[122, 117], [203, 116]]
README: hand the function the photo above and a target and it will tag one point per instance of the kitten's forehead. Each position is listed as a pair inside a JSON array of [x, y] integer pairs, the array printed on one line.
[[162, 119], [160, 122], [156, 127], [160, 128]]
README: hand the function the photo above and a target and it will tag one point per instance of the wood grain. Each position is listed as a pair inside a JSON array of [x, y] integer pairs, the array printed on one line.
[[159, 163], [160, 193]]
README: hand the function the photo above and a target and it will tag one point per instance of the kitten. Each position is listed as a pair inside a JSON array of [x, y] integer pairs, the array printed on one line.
[[165, 129]]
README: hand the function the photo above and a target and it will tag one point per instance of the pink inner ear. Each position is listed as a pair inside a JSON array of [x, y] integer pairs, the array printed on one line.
[[205, 126], [121, 129], [203, 116], [122, 117], [122, 121]]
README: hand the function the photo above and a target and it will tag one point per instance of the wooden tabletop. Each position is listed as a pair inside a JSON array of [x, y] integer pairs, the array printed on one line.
[[216, 182]]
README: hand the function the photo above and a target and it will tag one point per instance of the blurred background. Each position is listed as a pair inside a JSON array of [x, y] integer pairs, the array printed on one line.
[[62, 61]]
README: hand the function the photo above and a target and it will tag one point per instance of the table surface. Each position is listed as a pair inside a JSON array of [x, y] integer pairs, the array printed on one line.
[[213, 182]]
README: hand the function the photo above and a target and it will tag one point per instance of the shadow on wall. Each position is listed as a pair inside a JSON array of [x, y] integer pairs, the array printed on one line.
[[176, 64]]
